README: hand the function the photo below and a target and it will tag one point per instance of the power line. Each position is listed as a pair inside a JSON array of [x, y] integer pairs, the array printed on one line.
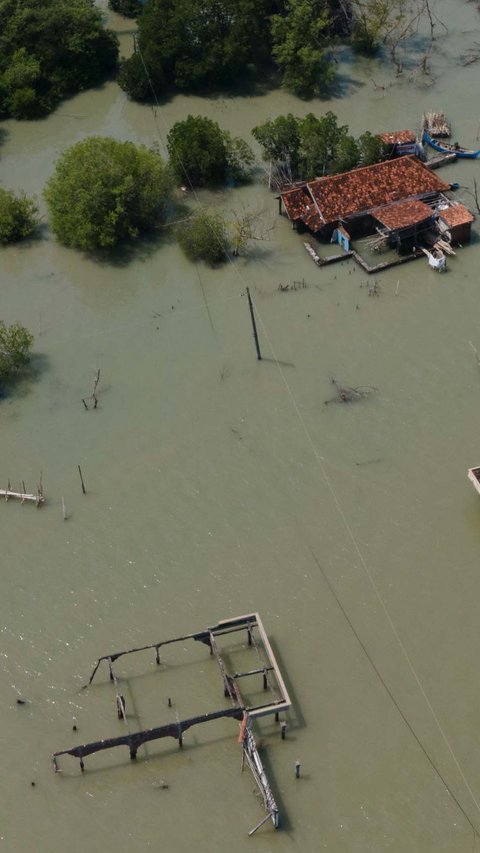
[[344, 520]]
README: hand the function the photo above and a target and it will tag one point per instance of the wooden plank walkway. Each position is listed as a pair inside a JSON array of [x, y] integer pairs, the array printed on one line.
[[22, 496], [440, 160], [267, 668], [251, 754], [135, 740], [384, 265]]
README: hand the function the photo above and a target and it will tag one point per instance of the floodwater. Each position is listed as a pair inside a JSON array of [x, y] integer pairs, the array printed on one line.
[[217, 486]]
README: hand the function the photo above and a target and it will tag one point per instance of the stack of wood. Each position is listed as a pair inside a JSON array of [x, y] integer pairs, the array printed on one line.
[[436, 124]]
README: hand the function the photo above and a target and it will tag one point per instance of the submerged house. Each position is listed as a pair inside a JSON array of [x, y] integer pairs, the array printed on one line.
[[400, 199]]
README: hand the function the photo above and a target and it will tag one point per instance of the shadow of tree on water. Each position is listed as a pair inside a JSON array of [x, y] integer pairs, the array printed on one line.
[[18, 386]]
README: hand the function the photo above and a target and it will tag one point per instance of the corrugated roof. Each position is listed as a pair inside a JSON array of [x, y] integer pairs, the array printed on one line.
[[340, 196], [397, 136], [456, 214], [401, 214]]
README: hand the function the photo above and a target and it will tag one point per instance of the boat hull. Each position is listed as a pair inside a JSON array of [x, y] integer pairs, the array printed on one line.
[[473, 475], [446, 148]]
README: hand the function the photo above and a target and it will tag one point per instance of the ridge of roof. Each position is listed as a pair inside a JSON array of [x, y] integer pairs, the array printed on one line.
[[358, 169]]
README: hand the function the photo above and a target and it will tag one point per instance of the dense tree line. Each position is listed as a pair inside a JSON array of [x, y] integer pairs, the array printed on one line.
[[191, 45], [196, 45], [50, 49], [302, 148]]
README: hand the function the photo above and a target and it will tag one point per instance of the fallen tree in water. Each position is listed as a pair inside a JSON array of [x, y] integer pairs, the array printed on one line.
[[350, 395]]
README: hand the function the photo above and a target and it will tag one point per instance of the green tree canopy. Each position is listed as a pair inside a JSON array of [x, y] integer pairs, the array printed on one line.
[[192, 44], [129, 8], [370, 23], [104, 192], [300, 37], [204, 237], [315, 146], [280, 140], [50, 49], [15, 343], [346, 154], [18, 216], [371, 149], [319, 139], [202, 154]]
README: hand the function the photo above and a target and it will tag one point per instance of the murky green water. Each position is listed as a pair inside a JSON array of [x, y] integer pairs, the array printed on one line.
[[217, 485]]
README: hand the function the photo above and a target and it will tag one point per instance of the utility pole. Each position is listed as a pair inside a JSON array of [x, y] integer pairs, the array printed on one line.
[[254, 325]]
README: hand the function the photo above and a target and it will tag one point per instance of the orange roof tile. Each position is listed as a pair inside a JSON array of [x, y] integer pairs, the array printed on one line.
[[299, 205], [397, 136], [456, 214], [401, 214], [340, 196]]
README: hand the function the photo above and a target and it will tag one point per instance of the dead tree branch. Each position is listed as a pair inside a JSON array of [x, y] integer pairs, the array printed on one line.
[[350, 395]]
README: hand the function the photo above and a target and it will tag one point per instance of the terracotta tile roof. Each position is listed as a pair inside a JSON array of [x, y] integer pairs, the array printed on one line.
[[397, 136], [340, 196], [456, 214], [400, 214], [312, 219], [299, 205]]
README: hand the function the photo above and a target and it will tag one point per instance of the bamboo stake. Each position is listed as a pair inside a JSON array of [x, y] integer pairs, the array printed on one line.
[[255, 335], [81, 480], [263, 820]]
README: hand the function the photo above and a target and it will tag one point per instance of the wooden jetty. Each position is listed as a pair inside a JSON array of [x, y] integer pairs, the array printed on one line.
[[266, 667], [441, 160], [251, 755], [335, 259], [23, 496]]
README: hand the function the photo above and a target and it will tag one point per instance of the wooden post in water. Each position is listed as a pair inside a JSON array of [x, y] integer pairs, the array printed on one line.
[[81, 480], [254, 325]]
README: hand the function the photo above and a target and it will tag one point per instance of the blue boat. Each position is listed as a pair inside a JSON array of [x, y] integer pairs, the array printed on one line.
[[450, 148]]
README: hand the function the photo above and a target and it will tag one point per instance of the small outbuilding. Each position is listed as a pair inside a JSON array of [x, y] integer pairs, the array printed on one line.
[[458, 221], [399, 142]]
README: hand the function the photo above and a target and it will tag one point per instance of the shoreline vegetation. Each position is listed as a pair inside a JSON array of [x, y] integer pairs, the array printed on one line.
[[104, 193], [289, 43]]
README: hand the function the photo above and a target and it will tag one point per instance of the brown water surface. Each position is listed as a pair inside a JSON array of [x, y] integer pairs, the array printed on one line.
[[217, 485]]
